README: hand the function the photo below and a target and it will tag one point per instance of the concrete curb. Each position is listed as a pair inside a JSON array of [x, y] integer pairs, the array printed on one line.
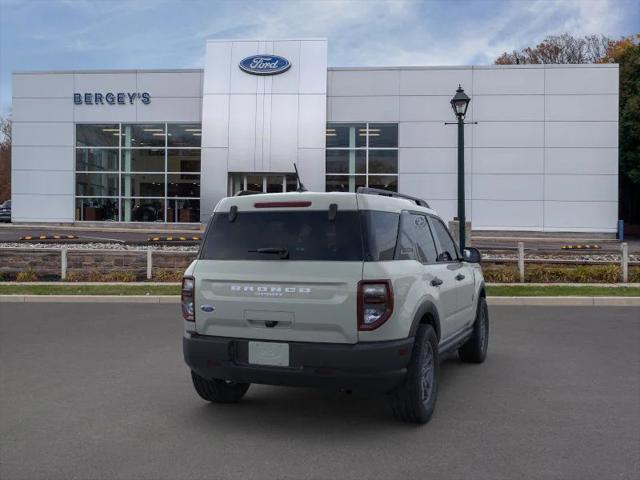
[[175, 299]]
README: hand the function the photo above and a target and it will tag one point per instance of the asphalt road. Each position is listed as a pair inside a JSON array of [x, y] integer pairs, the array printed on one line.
[[100, 391]]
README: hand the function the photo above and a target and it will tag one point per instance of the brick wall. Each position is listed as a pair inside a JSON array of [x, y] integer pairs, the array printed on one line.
[[47, 264]]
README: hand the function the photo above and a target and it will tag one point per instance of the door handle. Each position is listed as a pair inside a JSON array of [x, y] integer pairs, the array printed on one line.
[[459, 277], [436, 282]]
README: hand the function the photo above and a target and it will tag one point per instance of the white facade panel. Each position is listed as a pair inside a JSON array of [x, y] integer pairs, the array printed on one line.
[[581, 107], [441, 81], [507, 134], [241, 82], [242, 134], [358, 109], [217, 80], [571, 80], [447, 209], [581, 134], [501, 215], [433, 186], [213, 171], [508, 160], [106, 82], [428, 108], [289, 83], [507, 187], [508, 81], [42, 85], [312, 113], [105, 113], [501, 108], [42, 134], [215, 121], [432, 160], [354, 83], [170, 84], [42, 110], [283, 149], [581, 216], [42, 182], [603, 161], [173, 109], [431, 134], [312, 55], [42, 208], [598, 188], [311, 166], [42, 158]]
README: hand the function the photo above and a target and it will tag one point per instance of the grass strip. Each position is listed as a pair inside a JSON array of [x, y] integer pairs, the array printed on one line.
[[53, 289], [492, 291], [561, 291]]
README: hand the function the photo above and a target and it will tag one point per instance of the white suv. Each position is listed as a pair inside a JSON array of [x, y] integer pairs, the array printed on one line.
[[342, 290]]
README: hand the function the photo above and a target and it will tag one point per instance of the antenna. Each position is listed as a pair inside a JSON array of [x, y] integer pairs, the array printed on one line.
[[301, 187]]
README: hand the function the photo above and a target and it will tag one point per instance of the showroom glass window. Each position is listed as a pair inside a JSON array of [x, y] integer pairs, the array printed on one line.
[[138, 172], [361, 155]]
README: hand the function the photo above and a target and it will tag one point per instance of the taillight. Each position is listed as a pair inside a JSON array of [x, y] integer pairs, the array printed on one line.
[[187, 297], [375, 303]]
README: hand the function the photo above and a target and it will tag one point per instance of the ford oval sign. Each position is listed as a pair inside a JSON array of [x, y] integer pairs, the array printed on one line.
[[265, 64]]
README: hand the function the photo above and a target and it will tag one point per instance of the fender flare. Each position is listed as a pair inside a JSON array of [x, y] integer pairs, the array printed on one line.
[[427, 307]]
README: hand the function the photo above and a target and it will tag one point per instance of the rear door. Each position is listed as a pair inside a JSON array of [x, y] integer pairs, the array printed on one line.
[[462, 274], [284, 270]]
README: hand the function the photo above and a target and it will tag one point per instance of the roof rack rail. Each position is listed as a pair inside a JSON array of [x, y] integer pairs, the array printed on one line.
[[243, 193], [388, 193]]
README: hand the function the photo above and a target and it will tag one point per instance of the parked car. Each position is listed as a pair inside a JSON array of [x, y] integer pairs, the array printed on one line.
[[359, 290], [5, 211]]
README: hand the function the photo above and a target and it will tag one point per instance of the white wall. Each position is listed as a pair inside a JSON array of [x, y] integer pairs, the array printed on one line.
[[44, 117], [263, 123], [543, 155]]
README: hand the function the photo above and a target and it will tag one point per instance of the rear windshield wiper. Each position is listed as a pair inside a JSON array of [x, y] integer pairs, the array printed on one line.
[[283, 252]]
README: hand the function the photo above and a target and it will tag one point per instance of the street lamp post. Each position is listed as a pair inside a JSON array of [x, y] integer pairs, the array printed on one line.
[[460, 103]]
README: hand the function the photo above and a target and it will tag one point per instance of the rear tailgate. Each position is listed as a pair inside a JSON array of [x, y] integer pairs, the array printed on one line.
[[281, 267]]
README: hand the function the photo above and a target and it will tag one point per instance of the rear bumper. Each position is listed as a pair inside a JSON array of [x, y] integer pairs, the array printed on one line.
[[372, 366]]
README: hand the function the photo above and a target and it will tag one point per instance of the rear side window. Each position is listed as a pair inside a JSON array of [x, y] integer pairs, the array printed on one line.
[[415, 241], [380, 231], [448, 250], [305, 235]]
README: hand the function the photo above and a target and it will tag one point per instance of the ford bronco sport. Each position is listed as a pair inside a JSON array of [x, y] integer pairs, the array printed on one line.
[[342, 290]]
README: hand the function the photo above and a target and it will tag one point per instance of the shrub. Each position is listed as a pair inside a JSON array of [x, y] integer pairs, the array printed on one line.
[[500, 273], [634, 274], [572, 273], [27, 276], [120, 276], [167, 275]]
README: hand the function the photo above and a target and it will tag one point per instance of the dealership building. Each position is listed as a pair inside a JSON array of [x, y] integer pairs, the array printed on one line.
[[541, 142]]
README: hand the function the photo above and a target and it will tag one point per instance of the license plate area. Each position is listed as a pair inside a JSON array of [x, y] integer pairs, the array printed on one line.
[[269, 353]]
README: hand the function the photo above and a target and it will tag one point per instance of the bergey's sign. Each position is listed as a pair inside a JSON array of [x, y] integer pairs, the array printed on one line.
[[110, 98], [265, 64]]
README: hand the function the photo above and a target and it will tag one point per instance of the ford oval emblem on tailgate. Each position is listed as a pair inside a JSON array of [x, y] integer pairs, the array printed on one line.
[[207, 308], [265, 64]]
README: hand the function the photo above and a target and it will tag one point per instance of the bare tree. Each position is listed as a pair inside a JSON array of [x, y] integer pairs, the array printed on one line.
[[563, 48]]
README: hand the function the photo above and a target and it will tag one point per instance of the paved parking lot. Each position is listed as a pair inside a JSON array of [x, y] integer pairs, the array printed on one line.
[[100, 391]]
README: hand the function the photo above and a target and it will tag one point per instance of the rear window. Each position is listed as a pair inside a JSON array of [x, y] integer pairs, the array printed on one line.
[[304, 235]]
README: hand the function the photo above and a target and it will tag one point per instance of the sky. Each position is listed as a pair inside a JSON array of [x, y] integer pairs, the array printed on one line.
[[110, 34]]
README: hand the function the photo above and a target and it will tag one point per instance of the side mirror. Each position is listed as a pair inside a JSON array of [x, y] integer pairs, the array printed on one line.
[[471, 255]]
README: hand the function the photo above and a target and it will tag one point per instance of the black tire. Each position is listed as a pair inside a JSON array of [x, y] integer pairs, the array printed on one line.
[[474, 350], [415, 400], [219, 391]]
